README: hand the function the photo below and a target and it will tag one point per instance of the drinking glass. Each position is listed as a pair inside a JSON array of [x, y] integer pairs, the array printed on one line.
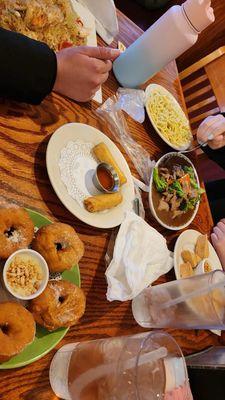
[[146, 366], [191, 303]]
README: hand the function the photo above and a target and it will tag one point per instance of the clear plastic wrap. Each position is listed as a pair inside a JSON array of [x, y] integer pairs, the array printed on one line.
[[132, 102], [111, 112]]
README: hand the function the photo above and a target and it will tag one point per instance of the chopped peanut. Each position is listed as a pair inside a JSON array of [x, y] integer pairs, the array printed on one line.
[[24, 275]]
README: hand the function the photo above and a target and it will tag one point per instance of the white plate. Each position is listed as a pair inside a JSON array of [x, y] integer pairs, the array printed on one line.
[[86, 133], [152, 208], [187, 241], [89, 23], [160, 88]]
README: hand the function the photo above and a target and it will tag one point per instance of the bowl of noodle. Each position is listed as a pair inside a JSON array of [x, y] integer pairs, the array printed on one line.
[[167, 117]]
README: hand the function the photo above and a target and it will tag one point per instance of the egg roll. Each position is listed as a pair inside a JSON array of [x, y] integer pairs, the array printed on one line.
[[102, 202], [103, 154]]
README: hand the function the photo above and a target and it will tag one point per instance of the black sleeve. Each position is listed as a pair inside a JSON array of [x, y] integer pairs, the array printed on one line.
[[216, 155], [27, 68]]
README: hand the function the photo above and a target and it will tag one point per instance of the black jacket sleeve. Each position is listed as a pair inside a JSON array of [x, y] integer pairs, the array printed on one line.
[[216, 155], [27, 68]]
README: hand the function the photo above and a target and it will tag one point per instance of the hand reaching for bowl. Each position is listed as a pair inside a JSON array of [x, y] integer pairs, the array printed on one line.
[[82, 70], [212, 130]]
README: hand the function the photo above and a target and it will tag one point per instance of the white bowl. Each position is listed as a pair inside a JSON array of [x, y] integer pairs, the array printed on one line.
[[148, 92], [173, 228], [43, 266]]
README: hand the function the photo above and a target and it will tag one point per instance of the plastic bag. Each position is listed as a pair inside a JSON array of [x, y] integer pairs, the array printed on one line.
[[112, 113], [132, 101]]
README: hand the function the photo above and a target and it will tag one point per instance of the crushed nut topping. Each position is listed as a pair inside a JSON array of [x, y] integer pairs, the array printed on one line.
[[24, 275]]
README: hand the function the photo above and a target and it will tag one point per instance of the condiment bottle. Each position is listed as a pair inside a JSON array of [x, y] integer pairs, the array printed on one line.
[[175, 32]]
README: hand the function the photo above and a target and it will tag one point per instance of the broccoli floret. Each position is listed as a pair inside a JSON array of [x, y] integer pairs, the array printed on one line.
[[189, 204], [184, 205], [201, 191], [192, 203], [190, 172], [177, 186], [160, 183]]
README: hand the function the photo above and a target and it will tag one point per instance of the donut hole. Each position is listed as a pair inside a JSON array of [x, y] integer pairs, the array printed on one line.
[[4, 328], [60, 246], [12, 234], [61, 299], [9, 232]]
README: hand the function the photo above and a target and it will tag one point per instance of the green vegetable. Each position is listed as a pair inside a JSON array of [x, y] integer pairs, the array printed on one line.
[[188, 204], [160, 182], [178, 188], [192, 203], [201, 191], [190, 172], [184, 206]]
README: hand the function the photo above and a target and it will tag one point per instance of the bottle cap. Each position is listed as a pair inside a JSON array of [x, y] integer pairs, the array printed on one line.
[[199, 13]]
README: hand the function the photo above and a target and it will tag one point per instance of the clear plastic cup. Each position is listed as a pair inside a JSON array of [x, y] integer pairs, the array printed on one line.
[[190, 303], [148, 366]]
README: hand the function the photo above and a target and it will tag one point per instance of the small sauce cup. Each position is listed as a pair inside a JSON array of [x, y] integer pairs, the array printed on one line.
[[106, 179]]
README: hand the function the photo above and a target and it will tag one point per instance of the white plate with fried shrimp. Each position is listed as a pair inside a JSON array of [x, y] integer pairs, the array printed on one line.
[[193, 249], [167, 117]]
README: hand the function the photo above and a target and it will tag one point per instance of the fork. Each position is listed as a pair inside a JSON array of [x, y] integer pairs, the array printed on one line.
[[202, 144]]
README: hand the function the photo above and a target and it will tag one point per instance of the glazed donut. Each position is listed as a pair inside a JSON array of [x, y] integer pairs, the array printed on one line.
[[16, 230], [61, 304], [17, 329], [60, 245]]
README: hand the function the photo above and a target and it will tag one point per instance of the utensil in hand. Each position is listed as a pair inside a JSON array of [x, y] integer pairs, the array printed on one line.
[[202, 144]]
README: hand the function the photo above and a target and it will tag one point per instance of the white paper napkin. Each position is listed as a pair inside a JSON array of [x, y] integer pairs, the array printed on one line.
[[104, 12], [140, 257]]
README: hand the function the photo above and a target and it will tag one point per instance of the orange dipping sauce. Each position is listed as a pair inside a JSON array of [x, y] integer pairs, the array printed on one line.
[[105, 178]]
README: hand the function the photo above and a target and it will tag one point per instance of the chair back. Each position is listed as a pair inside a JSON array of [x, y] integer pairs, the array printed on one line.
[[203, 85]]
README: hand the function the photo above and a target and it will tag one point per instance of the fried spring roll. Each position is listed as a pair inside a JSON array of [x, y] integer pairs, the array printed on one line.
[[103, 154], [102, 202]]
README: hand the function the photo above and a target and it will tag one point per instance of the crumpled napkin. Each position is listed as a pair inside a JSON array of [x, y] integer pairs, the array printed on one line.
[[104, 12], [140, 257]]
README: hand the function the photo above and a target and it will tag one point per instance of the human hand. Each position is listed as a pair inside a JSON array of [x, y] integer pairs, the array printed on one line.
[[82, 70], [212, 130], [218, 240]]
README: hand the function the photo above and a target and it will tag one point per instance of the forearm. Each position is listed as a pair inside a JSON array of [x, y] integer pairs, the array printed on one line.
[[27, 70]]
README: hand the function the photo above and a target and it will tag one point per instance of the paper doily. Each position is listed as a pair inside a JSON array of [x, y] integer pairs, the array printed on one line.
[[77, 166]]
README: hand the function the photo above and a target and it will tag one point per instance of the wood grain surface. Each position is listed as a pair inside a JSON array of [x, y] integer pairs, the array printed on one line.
[[24, 134]]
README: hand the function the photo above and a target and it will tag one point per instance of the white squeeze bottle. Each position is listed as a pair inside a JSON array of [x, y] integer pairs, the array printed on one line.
[[175, 32]]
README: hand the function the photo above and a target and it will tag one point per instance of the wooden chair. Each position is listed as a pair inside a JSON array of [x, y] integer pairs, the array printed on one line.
[[203, 85]]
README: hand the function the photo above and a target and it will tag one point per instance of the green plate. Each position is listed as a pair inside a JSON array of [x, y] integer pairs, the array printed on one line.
[[44, 341]]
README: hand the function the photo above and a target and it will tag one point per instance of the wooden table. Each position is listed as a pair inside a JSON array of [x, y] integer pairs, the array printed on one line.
[[24, 134]]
